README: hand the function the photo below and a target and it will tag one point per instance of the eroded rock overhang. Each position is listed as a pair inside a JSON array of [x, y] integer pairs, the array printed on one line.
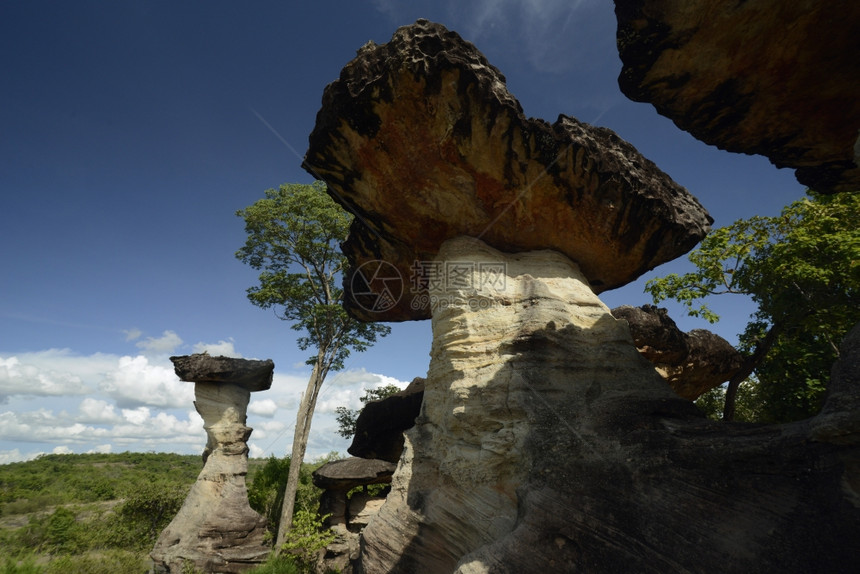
[[770, 77], [422, 141]]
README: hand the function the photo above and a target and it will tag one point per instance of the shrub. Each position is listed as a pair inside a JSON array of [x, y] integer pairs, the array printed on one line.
[[307, 537], [278, 564]]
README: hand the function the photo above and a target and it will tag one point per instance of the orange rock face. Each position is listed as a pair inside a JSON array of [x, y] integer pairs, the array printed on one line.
[[422, 141]]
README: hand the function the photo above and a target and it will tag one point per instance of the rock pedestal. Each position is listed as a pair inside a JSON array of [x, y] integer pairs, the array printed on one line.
[[547, 443], [216, 530], [515, 360]]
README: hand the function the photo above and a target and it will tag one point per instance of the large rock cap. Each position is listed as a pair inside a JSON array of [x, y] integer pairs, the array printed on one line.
[[251, 374], [769, 77], [422, 141]]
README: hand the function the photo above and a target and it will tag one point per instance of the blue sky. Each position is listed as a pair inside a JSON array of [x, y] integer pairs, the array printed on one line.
[[131, 132]]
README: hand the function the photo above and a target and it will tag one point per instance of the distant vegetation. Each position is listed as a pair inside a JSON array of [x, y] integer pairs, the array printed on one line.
[[102, 513]]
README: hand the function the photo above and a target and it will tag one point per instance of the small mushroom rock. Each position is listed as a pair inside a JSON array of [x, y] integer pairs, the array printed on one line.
[[216, 530]]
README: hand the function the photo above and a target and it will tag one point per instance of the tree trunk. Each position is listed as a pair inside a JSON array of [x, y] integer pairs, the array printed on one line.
[[754, 360], [300, 443]]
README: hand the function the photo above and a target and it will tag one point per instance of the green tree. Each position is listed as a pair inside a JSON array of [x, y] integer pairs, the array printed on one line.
[[294, 237], [802, 269], [346, 418], [149, 508]]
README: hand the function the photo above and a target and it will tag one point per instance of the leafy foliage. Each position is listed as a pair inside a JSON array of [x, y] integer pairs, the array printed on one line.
[[748, 404], [149, 509], [266, 489], [307, 537], [294, 237], [346, 418], [83, 478], [802, 269]]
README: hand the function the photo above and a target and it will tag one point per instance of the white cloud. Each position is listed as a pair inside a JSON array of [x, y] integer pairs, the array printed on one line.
[[136, 416], [139, 427], [263, 408], [97, 411], [14, 455], [164, 345], [111, 403], [132, 334], [136, 382], [347, 388], [219, 349], [25, 376]]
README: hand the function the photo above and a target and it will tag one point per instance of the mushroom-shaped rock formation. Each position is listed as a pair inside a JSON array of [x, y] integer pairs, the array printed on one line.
[[380, 425], [422, 141], [216, 530], [770, 77], [338, 477], [545, 441], [692, 363], [347, 515]]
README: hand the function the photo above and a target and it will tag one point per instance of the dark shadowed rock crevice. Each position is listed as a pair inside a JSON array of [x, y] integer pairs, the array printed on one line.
[[380, 425]]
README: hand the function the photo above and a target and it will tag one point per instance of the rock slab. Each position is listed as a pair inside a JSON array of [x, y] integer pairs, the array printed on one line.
[[380, 425], [768, 77], [692, 363]]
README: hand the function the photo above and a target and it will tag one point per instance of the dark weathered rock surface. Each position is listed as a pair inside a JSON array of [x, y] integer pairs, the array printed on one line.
[[203, 368], [692, 363], [769, 77], [379, 428], [422, 140], [839, 420], [351, 472], [349, 514]]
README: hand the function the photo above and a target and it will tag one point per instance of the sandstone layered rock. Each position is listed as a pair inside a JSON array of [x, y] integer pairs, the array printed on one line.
[[380, 425], [421, 139], [216, 530], [692, 363], [769, 77], [547, 443]]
